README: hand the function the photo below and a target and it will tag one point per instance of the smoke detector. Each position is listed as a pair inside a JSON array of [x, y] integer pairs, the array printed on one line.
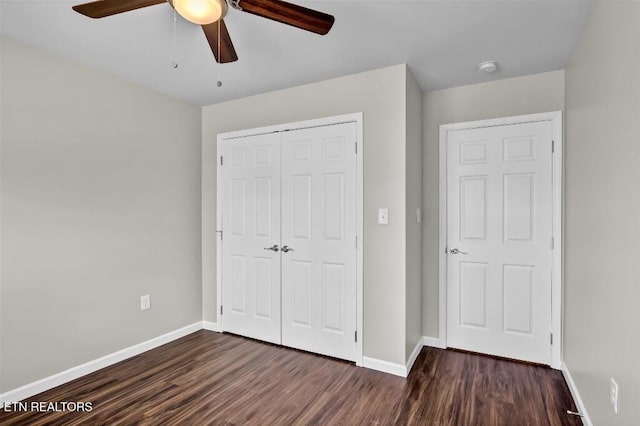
[[488, 66]]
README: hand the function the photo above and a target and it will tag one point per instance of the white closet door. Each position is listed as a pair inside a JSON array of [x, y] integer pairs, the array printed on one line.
[[250, 272], [499, 212], [319, 225]]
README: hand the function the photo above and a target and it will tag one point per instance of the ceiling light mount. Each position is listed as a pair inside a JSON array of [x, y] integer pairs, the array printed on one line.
[[488, 66]]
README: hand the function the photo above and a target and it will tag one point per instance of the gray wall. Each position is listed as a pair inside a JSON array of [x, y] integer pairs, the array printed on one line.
[[502, 98], [380, 95], [414, 200], [100, 190], [602, 213]]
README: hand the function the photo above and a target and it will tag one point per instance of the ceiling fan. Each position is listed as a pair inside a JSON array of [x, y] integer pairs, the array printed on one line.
[[210, 13]]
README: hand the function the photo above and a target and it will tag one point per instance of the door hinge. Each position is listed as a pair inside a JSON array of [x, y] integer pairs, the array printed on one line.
[[220, 309], [356, 144], [553, 243], [553, 146], [221, 160], [551, 339], [356, 241], [220, 232], [355, 336]]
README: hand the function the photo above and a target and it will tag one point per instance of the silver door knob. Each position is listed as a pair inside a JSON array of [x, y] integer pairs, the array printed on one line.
[[274, 248], [454, 250], [286, 249]]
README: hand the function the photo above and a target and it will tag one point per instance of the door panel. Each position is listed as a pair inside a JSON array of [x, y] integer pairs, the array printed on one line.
[[473, 208], [301, 295], [334, 206], [301, 188], [519, 212], [473, 294], [518, 289], [319, 223], [251, 220], [499, 213], [333, 293]]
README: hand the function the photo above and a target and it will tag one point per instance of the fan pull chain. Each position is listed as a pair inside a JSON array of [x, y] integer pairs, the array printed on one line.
[[174, 62], [219, 65]]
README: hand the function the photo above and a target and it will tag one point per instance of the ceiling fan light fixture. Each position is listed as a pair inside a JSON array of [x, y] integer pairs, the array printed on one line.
[[201, 12], [209, 15]]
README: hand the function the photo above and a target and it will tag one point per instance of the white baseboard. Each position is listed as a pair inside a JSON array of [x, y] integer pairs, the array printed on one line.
[[434, 342], [414, 356], [73, 373], [211, 326], [384, 366], [392, 367], [576, 395]]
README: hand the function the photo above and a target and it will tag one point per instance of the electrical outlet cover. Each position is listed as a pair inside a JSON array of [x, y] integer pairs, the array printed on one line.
[[145, 302]]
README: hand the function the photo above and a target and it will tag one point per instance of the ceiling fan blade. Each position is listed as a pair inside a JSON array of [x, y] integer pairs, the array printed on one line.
[[102, 8], [290, 14], [222, 47]]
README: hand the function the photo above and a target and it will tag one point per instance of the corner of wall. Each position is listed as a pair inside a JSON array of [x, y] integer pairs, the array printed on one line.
[[413, 215]]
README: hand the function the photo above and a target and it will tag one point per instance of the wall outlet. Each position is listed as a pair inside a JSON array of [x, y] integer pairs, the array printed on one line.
[[613, 395], [145, 302]]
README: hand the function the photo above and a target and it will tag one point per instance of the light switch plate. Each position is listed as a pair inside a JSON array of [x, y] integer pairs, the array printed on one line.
[[383, 216]]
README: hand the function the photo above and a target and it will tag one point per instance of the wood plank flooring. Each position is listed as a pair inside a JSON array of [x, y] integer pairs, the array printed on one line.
[[210, 378]]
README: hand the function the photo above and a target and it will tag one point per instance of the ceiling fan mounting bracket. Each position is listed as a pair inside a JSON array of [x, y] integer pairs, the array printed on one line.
[[235, 4]]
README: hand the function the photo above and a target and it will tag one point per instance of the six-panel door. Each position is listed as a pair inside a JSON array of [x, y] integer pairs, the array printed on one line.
[[251, 225], [319, 225], [499, 219]]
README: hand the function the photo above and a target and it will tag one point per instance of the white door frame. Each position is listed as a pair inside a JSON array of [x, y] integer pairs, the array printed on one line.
[[327, 121], [556, 272]]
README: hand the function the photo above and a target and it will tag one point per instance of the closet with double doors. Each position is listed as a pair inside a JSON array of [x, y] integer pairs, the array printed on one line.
[[288, 220]]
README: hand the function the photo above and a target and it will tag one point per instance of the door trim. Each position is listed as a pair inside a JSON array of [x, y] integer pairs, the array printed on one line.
[[556, 263], [326, 121]]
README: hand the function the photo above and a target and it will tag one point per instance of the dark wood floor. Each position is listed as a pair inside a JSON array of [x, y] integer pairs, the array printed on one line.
[[211, 378]]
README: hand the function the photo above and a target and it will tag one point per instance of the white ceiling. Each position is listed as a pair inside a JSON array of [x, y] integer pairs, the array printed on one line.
[[442, 41]]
